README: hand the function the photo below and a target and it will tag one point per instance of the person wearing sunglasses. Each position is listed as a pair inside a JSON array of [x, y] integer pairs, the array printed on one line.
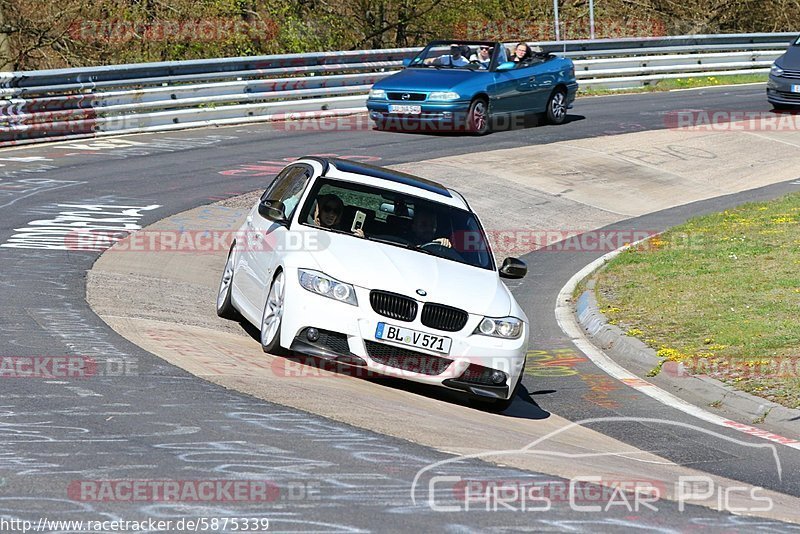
[[483, 57], [328, 213]]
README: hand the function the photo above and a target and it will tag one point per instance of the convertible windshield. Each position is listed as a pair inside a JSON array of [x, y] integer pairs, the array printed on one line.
[[473, 56], [399, 220]]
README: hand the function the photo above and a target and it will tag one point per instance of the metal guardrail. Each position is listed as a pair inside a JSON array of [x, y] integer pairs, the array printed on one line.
[[70, 103]]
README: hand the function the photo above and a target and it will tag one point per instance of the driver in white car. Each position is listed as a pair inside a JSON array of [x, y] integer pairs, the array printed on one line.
[[423, 230]]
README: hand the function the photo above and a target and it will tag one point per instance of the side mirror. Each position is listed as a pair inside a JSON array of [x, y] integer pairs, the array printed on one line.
[[272, 210], [406, 62], [513, 268], [506, 65]]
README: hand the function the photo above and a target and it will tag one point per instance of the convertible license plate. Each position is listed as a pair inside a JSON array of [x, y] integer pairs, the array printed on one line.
[[405, 109], [796, 88], [406, 336]]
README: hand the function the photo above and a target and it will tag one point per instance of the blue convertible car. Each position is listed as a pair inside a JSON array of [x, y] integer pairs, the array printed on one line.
[[472, 85]]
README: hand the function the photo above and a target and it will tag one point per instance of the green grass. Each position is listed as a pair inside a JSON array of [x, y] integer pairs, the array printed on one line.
[[680, 83], [720, 293]]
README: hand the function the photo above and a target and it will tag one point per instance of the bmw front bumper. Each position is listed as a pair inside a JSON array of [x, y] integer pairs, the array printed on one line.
[[353, 327]]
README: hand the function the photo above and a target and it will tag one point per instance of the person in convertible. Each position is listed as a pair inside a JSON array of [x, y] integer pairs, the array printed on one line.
[[454, 59], [483, 57]]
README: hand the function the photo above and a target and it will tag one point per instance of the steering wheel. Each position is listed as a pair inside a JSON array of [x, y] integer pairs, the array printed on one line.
[[440, 250]]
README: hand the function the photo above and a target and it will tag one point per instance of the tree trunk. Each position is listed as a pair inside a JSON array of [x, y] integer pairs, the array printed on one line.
[[6, 58]]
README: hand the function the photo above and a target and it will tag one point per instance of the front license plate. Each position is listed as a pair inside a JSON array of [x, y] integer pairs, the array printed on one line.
[[406, 336], [405, 109], [796, 88]]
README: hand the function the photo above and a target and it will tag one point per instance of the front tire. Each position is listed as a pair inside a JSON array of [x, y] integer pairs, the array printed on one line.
[[478, 117], [557, 107], [225, 308], [272, 317]]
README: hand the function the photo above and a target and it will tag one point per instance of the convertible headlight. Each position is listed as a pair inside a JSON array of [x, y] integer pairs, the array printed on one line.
[[776, 70], [504, 327], [443, 95], [324, 285], [377, 93]]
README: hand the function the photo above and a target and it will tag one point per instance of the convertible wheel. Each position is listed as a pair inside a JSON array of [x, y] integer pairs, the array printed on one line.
[[225, 307], [557, 107], [478, 117], [271, 318]]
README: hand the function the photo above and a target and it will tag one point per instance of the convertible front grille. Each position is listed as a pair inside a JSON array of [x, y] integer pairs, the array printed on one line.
[[393, 305], [407, 360], [443, 317], [412, 97]]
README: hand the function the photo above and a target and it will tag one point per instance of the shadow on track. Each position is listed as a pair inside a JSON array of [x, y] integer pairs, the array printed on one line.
[[524, 123]]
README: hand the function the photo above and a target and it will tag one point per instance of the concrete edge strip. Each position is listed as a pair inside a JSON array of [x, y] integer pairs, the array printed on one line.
[[624, 348], [236, 121], [568, 323]]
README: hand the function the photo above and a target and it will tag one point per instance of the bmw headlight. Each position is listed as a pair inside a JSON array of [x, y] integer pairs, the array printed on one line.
[[776, 70], [443, 95], [377, 93], [504, 327], [324, 285]]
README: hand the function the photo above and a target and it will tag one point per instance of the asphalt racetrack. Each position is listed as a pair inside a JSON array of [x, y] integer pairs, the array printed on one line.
[[67, 440]]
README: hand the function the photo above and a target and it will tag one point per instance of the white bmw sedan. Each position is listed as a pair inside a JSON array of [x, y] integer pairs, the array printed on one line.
[[381, 270]]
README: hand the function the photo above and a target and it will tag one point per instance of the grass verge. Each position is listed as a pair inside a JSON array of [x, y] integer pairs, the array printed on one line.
[[719, 295], [679, 83]]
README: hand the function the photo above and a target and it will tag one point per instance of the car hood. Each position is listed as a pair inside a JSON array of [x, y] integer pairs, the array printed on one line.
[[374, 265], [427, 79], [791, 59]]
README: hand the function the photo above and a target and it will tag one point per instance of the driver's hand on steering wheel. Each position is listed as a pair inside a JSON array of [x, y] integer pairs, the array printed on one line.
[[443, 241]]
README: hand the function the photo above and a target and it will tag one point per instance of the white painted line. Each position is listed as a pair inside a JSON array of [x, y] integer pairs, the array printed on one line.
[[569, 325]]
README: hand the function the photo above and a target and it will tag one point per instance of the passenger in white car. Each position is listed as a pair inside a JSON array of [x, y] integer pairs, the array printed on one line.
[[328, 213]]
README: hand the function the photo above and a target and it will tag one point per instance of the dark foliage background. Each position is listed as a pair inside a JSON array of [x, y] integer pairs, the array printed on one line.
[[38, 34]]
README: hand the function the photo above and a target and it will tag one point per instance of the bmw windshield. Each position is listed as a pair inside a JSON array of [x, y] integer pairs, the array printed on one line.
[[399, 220]]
